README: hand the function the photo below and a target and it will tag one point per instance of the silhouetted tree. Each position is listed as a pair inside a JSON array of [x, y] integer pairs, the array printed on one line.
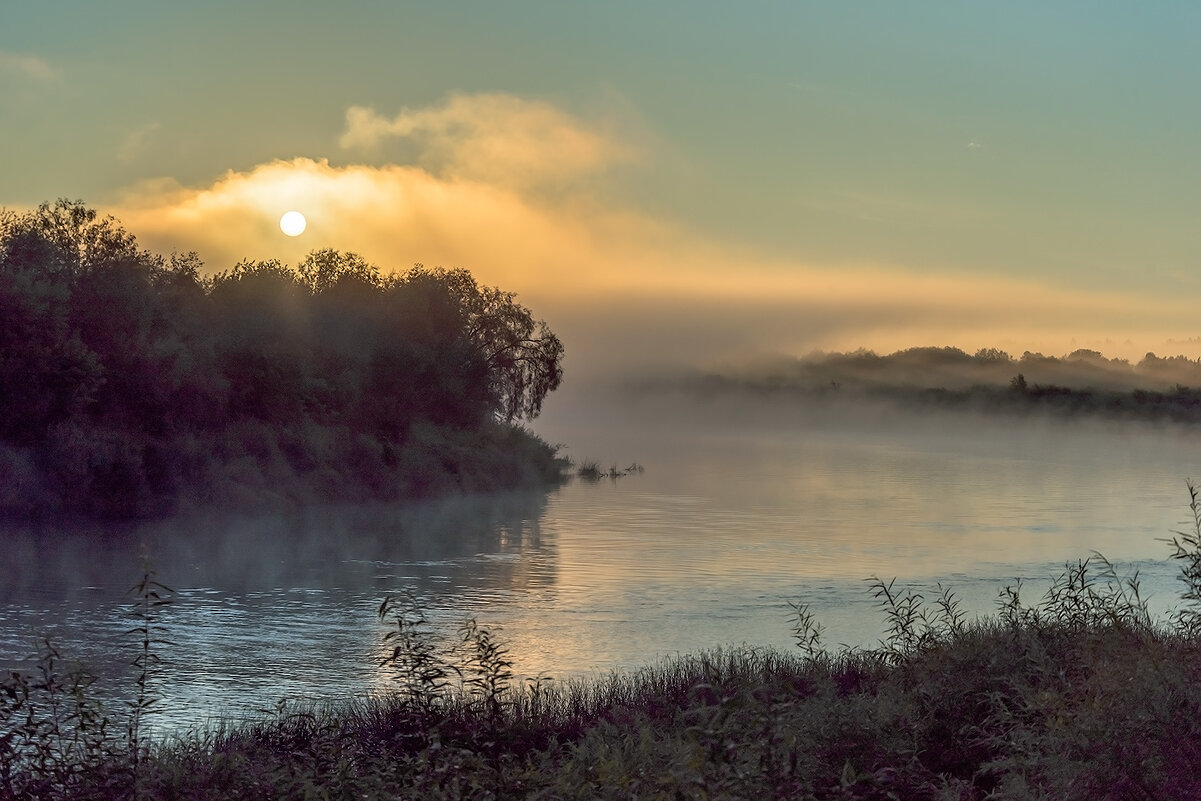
[[128, 379], [992, 355], [46, 373], [523, 357], [321, 270]]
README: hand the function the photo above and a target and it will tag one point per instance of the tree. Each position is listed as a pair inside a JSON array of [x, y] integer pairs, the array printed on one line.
[[264, 342], [325, 269], [523, 358], [128, 379], [46, 373], [65, 239]]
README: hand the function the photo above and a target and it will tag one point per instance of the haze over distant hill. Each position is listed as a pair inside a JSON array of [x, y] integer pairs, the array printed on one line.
[[1082, 382]]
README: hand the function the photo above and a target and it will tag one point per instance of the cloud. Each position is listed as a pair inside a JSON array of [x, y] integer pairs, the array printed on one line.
[[625, 291], [26, 66], [394, 215], [494, 137], [135, 141]]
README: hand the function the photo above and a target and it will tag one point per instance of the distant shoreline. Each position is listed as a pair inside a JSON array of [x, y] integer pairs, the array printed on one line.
[[1179, 405], [1082, 384]]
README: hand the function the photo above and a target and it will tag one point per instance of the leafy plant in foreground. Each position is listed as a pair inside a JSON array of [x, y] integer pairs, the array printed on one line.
[[489, 672], [151, 596], [54, 731], [422, 673], [807, 632], [50, 727], [911, 625], [1186, 547]]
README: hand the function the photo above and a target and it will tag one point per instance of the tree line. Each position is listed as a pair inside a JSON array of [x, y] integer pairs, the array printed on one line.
[[132, 383]]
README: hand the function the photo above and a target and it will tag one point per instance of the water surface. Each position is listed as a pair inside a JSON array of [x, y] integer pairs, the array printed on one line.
[[730, 521]]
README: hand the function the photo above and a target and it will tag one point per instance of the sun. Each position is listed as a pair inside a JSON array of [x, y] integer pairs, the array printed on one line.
[[292, 223]]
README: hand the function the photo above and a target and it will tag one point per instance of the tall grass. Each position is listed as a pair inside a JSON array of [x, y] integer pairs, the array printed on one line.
[[1077, 694]]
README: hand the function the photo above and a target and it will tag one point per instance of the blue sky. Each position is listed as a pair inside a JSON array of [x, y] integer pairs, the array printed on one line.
[[796, 175]]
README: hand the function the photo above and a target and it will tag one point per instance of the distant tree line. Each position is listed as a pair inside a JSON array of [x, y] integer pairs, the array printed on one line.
[[131, 384], [954, 369], [1081, 383]]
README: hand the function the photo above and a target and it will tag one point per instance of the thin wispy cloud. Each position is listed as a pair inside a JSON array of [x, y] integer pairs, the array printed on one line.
[[25, 66], [135, 142], [493, 137]]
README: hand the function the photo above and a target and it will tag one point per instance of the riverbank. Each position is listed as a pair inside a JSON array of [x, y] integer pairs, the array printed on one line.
[[251, 467], [1079, 695], [1056, 713]]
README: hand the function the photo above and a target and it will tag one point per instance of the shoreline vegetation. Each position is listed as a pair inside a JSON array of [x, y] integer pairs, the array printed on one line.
[[590, 471], [1082, 694], [133, 386], [1083, 383]]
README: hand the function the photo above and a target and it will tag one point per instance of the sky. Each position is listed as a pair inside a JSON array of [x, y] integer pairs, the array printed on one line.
[[665, 183]]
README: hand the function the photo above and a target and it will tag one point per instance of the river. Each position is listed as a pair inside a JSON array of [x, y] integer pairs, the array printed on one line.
[[734, 516]]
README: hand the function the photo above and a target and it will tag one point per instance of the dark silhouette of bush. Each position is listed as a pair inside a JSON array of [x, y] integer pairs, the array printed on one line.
[[131, 385]]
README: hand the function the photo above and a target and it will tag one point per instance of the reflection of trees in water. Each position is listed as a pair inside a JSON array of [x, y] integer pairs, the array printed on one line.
[[318, 547], [268, 598]]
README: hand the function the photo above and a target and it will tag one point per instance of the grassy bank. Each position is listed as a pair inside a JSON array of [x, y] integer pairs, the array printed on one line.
[[1054, 713], [1079, 694]]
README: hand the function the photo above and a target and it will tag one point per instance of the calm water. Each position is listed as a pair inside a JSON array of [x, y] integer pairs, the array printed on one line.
[[731, 520]]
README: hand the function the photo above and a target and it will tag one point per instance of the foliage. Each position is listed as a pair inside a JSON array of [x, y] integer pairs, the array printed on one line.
[[521, 355], [151, 597], [55, 735], [130, 385], [419, 670], [1186, 547]]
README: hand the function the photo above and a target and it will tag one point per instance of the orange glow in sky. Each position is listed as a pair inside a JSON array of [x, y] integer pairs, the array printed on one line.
[[770, 180]]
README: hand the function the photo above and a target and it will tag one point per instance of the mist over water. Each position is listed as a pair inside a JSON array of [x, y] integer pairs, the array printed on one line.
[[739, 511], [816, 498]]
